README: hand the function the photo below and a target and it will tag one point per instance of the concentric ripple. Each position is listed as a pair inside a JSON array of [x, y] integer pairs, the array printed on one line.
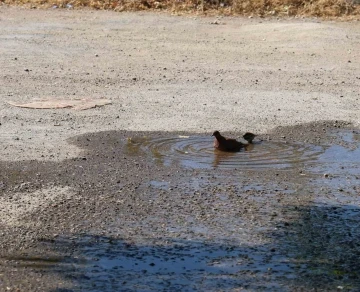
[[198, 152]]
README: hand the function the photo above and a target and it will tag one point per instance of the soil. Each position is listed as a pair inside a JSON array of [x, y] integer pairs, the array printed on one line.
[[92, 199]]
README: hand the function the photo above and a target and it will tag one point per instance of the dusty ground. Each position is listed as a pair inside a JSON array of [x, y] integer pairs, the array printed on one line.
[[75, 190], [241, 75]]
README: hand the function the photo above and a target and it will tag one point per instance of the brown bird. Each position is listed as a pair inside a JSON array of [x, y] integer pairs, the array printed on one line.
[[249, 137], [226, 144]]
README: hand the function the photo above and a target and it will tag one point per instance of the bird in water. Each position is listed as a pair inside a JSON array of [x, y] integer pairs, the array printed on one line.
[[226, 144], [231, 145], [249, 137]]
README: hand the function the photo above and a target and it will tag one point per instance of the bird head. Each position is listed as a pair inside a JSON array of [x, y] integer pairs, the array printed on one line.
[[216, 134]]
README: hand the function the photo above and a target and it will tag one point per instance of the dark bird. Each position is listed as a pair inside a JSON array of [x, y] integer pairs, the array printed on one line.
[[249, 137], [226, 144]]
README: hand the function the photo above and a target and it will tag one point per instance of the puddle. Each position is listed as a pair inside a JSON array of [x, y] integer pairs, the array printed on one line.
[[340, 163], [343, 158], [339, 160], [348, 136], [339, 166], [178, 266], [198, 152]]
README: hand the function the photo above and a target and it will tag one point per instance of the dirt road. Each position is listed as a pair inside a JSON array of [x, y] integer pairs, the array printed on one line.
[[91, 199], [166, 73]]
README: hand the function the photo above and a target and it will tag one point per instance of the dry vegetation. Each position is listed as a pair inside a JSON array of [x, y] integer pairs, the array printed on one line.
[[318, 8]]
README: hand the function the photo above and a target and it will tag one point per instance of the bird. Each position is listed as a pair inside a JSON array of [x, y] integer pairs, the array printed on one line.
[[249, 137], [226, 144]]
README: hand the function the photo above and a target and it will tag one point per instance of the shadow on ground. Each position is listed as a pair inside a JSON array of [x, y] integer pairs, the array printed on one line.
[[317, 250], [125, 218]]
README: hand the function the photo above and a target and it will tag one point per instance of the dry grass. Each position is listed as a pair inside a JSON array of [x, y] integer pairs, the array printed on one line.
[[262, 8]]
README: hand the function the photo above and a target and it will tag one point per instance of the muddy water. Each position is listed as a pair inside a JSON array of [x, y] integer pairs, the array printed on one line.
[[198, 152], [274, 217]]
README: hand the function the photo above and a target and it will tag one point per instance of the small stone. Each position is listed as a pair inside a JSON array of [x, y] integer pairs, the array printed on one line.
[[326, 175]]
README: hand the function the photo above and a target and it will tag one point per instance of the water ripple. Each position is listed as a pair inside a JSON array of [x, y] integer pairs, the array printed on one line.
[[198, 152]]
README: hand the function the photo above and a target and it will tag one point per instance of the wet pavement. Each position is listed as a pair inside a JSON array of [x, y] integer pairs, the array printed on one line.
[[167, 212]]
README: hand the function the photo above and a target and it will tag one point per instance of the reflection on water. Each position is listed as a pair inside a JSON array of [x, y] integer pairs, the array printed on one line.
[[181, 265], [198, 152], [339, 159], [339, 167]]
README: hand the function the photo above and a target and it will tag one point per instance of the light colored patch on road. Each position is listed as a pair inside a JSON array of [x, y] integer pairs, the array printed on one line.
[[76, 104], [14, 208]]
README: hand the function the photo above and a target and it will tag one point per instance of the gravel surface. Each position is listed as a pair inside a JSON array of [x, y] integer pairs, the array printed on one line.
[[132, 197], [167, 73]]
